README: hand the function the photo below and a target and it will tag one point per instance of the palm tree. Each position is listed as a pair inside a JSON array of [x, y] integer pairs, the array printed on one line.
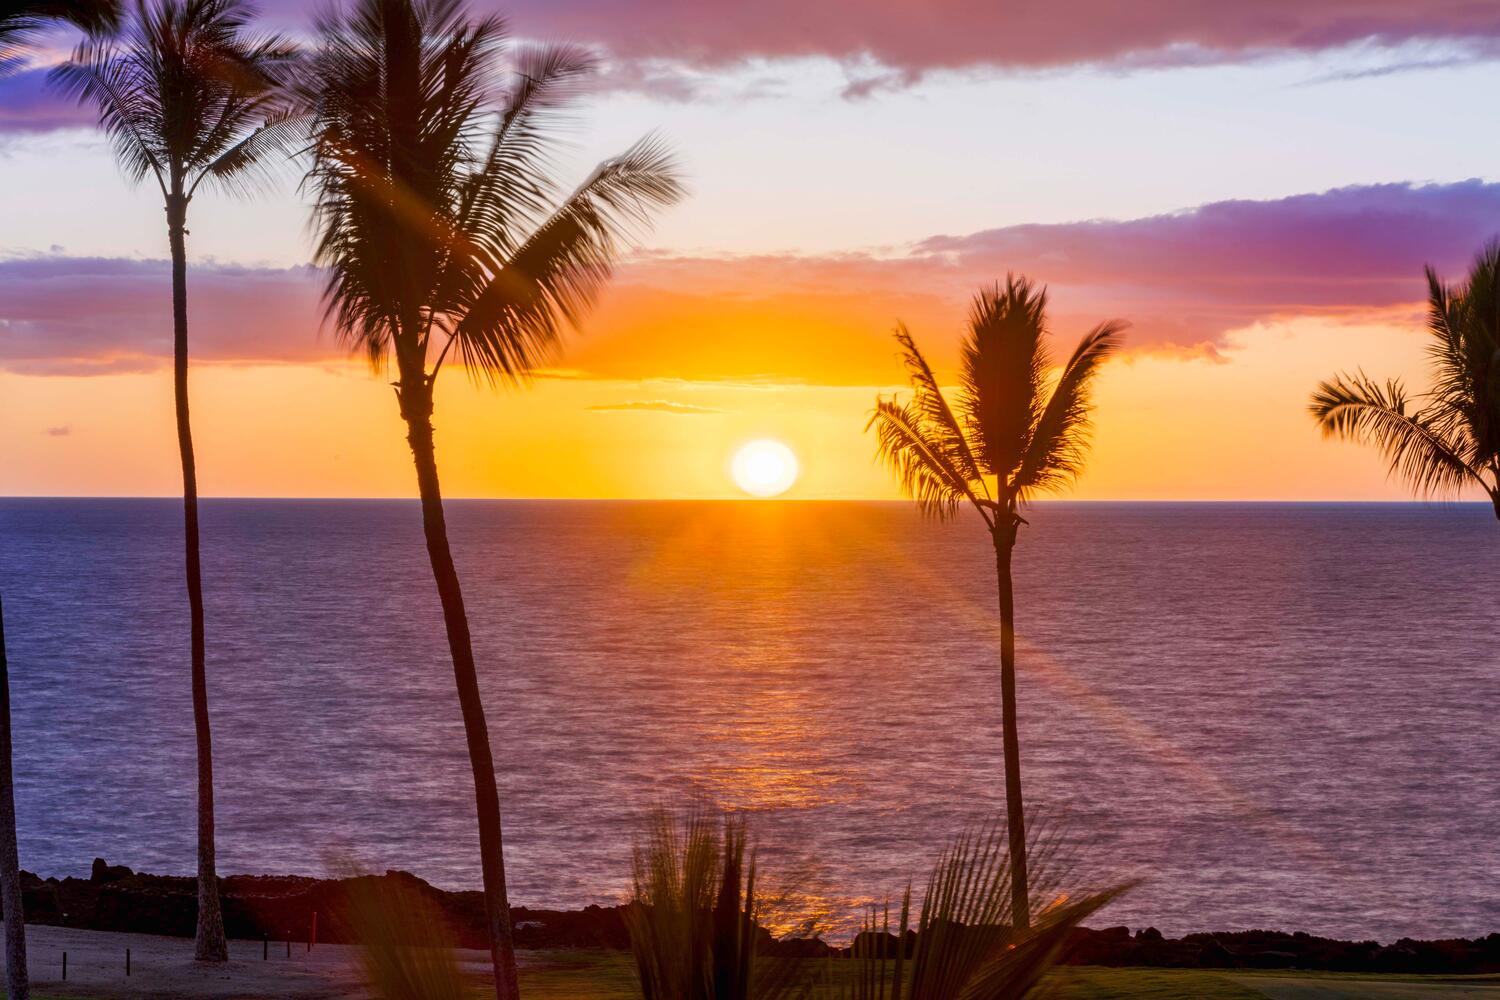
[[17, 982], [20, 21], [445, 233], [187, 100], [1451, 443], [1008, 429]]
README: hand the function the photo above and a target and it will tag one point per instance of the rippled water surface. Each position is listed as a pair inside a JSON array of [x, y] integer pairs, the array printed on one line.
[[1280, 715]]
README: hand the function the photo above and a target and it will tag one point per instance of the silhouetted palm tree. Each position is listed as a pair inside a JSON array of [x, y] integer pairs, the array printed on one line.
[[186, 99], [1006, 429], [21, 19], [1452, 442], [17, 982], [442, 229], [18, 23]]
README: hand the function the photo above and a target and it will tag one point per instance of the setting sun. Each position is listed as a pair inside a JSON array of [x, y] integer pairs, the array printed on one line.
[[764, 468]]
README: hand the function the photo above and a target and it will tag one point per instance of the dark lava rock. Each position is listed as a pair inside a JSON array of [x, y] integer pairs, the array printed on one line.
[[800, 948], [103, 872], [282, 908]]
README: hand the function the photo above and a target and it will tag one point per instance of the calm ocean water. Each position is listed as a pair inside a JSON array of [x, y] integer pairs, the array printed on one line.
[[1279, 715]]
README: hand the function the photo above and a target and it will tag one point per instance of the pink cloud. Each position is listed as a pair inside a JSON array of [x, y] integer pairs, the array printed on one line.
[[962, 34], [1185, 280], [660, 47], [88, 315]]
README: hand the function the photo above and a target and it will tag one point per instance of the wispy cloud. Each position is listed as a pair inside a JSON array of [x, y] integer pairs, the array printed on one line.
[[657, 406], [1397, 67]]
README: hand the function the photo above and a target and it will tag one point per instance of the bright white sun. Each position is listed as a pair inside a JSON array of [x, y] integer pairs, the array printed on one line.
[[764, 468]]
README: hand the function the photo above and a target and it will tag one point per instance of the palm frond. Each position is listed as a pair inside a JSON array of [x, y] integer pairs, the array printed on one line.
[[1465, 352], [1004, 363], [250, 159], [511, 193], [24, 18], [516, 316], [943, 427], [127, 109], [925, 472], [1057, 445], [1357, 408]]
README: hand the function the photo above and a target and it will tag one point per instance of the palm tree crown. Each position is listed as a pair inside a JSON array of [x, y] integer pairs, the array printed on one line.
[[1008, 430], [441, 224], [1452, 441], [185, 97]]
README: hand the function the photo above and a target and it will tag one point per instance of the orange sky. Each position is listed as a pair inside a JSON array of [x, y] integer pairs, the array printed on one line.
[[1167, 428]]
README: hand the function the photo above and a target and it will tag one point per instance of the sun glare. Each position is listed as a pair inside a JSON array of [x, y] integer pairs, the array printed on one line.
[[764, 468]]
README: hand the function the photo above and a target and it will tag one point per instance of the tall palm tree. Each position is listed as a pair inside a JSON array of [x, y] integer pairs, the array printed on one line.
[[445, 233], [1007, 431], [19, 21], [1452, 442], [17, 982], [187, 99]]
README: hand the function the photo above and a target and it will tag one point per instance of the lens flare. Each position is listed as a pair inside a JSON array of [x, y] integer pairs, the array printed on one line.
[[764, 468]]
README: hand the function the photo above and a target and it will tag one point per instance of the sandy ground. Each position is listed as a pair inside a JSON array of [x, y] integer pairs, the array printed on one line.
[[164, 967]]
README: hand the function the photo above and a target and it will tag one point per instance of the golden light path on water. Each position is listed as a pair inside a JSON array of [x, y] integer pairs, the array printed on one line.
[[760, 758]]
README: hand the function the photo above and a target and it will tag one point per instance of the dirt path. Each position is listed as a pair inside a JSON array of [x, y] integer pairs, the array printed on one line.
[[164, 967]]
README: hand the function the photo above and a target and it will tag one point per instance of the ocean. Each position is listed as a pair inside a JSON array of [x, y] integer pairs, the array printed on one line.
[[1274, 715]]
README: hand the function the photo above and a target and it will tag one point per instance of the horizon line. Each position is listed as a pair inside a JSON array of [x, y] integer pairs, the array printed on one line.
[[1418, 501]]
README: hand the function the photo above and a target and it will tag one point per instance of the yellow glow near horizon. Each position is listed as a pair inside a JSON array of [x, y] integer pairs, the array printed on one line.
[[764, 468]]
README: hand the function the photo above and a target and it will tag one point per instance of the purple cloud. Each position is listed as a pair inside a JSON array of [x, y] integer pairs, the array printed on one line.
[[91, 315], [28, 104], [1230, 263], [961, 34], [1185, 280]]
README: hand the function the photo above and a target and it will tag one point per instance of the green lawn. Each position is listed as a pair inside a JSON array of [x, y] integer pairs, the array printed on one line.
[[605, 975], [1094, 983], [597, 975]]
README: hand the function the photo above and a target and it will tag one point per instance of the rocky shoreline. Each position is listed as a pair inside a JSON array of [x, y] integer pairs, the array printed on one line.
[[280, 908]]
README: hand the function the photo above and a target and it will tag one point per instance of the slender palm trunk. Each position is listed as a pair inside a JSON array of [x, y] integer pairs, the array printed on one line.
[[1015, 812], [17, 984], [210, 946], [416, 408]]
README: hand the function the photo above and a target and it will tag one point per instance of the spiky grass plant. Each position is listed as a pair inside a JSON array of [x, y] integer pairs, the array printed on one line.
[[969, 944], [692, 917], [406, 949]]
